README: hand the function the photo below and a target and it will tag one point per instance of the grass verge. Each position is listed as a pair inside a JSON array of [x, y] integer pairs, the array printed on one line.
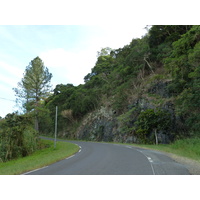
[[189, 148], [40, 158]]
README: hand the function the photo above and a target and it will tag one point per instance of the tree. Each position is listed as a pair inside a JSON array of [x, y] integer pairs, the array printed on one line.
[[34, 86], [183, 59], [17, 136], [188, 101], [164, 36], [104, 52], [152, 121]]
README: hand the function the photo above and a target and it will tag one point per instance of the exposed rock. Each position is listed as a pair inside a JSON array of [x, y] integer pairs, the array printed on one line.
[[104, 125], [100, 125]]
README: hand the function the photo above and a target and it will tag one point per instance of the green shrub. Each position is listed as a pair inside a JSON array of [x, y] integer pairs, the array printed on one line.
[[17, 137]]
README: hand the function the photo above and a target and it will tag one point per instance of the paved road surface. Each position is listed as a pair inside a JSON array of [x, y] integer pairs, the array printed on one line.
[[113, 159]]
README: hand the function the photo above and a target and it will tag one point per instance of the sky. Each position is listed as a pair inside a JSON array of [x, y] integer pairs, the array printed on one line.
[[66, 35], [68, 51]]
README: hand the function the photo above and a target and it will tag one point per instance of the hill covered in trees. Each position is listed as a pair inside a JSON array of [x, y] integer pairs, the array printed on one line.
[[147, 91]]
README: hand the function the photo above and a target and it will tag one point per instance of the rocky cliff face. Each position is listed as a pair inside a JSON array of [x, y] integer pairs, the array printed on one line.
[[100, 125], [104, 124]]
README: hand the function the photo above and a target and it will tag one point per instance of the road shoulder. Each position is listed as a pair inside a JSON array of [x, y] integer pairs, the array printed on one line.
[[192, 165]]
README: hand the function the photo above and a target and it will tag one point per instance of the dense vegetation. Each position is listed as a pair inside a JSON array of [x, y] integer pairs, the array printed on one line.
[[151, 85], [39, 158], [18, 137], [168, 54]]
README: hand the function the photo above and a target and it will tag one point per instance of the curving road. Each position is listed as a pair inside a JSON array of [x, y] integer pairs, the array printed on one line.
[[113, 159]]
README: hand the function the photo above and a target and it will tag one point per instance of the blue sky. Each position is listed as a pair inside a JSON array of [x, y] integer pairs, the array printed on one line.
[[69, 52]]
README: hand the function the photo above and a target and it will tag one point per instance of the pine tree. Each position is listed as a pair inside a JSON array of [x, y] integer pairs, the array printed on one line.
[[34, 86]]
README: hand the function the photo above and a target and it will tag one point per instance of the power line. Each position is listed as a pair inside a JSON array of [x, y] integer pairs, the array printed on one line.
[[6, 99]]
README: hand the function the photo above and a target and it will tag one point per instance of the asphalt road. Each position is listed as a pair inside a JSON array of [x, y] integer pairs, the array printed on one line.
[[113, 159]]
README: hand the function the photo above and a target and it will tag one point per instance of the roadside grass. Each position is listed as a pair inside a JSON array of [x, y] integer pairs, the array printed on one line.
[[189, 148], [40, 158]]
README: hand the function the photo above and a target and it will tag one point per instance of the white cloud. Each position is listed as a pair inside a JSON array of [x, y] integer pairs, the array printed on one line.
[[56, 58], [7, 82], [117, 36], [9, 77], [6, 95], [12, 70], [8, 36], [68, 67], [71, 66], [6, 107]]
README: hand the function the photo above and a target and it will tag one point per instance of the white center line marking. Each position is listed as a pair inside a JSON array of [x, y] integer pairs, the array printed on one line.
[[150, 162]]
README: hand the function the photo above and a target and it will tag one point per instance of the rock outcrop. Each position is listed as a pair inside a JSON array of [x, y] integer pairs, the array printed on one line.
[[104, 125]]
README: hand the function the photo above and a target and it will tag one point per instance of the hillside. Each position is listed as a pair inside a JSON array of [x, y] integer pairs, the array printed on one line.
[[145, 92]]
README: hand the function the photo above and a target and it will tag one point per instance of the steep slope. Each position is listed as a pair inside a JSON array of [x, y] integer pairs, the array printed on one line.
[[134, 94]]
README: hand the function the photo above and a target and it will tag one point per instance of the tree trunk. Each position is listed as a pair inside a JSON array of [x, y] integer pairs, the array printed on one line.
[[149, 65], [36, 115], [36, 122]]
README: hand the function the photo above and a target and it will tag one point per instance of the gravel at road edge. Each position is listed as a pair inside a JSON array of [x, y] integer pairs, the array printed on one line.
[[192, 165]]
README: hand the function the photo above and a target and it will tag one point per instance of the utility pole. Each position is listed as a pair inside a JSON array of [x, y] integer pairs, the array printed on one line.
[[56, 126]]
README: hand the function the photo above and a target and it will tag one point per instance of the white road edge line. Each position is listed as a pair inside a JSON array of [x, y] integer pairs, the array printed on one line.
[[79, 149], [47, 166], [69, 157], [34, 170]]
